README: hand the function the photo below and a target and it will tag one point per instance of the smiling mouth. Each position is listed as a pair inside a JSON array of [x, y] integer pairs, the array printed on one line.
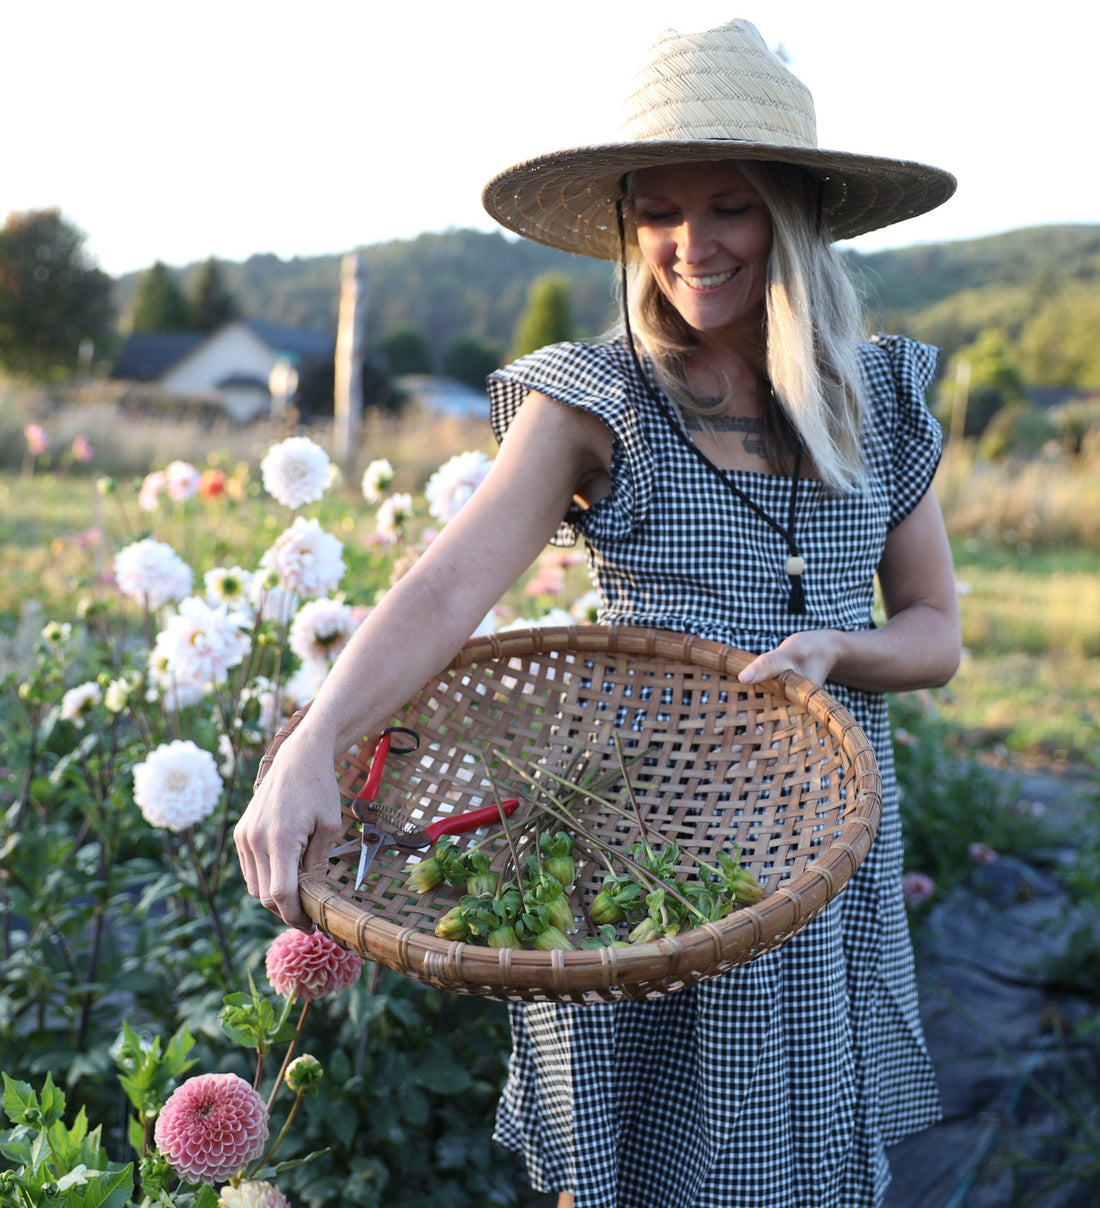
[[711, 281]]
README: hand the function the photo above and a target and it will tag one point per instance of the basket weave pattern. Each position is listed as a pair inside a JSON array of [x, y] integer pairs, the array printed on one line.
[[778, 767]]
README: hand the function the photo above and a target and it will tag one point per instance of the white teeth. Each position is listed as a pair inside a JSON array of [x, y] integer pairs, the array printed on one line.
[[709, 282]]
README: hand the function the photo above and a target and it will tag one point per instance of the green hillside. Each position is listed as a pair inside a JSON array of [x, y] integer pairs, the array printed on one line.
[[468, 283]]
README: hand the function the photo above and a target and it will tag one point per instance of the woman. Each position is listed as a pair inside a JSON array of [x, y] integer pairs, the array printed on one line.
[[741, 465]]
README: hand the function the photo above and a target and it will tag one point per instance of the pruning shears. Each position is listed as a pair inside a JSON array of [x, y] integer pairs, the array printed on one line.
[[391, 826]]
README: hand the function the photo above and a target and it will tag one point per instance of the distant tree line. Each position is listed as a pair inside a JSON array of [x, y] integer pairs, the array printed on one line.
[[163, 304], [1015, 315]]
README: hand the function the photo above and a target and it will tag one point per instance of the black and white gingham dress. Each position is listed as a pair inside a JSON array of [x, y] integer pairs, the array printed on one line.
[[778, 1084]]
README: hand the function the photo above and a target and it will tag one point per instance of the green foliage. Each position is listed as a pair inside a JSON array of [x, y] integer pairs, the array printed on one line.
[[548, 318], [406, 351], [1019, 430], [445, 285], [211, 302], [125, 946], [53, 1165], [471, 361], [52, 298], [984, 377], [1059, 345], [948, 801], [1078, 425], [160, 304]]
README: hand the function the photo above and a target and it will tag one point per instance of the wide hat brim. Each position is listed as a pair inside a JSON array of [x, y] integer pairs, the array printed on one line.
[[567, 199]]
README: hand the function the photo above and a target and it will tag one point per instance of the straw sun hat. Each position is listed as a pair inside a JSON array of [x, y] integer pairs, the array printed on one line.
[[717, 95]]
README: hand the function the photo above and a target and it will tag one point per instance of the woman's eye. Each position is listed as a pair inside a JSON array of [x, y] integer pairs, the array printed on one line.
[[654, 216], [732, 211]]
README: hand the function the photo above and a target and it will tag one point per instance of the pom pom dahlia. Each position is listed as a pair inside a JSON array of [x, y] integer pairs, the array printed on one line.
[[310, 966], [252, 1194], [296, 471], [177, 786], [211, 1128]]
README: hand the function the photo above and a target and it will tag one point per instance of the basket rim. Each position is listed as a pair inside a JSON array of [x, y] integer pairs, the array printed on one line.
[[509, 972]]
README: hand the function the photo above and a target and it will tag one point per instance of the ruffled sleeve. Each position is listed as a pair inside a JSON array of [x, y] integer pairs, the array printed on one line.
[[899, 372], [594, 378]]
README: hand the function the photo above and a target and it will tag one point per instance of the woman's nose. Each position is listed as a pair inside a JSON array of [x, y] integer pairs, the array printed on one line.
[[694, 240]]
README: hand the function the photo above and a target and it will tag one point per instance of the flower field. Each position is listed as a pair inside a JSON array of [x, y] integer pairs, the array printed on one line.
[[163, 1040]]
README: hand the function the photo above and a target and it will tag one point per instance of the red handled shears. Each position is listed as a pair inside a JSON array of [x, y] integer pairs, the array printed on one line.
[[391, 826]]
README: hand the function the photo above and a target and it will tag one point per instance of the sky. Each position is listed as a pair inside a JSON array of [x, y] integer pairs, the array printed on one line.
[[229, 128]]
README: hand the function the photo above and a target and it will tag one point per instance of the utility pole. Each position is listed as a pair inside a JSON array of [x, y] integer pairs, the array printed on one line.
[[348, 401]]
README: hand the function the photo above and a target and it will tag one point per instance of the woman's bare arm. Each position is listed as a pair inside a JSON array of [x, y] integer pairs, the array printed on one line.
[[551, 454]]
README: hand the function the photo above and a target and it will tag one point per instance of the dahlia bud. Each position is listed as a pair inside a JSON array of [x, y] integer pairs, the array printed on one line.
[[453, 925], [503, 937], [552, 937], [304, 1074], [425, 876], [557, 855]]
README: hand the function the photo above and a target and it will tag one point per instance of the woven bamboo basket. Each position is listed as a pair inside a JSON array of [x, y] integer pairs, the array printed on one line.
[[778, 767]]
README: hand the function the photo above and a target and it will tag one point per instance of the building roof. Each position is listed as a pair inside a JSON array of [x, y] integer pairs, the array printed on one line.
[[304, 344], [148, 355]]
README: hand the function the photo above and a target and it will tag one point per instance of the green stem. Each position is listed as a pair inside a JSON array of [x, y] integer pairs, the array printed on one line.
[[288, 1055]]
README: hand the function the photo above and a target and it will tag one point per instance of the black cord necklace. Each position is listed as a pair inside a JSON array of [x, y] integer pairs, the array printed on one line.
[[795, 564]]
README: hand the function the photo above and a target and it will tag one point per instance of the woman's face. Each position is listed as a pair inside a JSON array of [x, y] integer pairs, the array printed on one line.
[[706, 235]]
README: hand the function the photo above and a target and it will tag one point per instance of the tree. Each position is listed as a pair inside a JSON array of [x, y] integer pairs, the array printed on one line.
[[548, 318], [994, 377], [211, 302], [160, 304], [1058, 345], [406, 351], [471, 361], [53, 299]]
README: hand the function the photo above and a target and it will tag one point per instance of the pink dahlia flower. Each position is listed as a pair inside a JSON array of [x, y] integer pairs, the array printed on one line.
[[917, 887], [310, 966], [211, 1128]]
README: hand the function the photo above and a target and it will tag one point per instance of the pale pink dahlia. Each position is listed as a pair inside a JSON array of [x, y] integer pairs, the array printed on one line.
[[310, 966], [211, 1128], [308, 560], [252, 1194], [321, 629], [151, 573], [454, 482], [296, 471]]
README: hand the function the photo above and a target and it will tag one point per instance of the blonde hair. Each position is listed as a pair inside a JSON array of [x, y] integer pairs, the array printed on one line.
[[814, 324]]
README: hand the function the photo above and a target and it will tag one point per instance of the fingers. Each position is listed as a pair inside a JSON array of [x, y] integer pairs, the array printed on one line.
[[809, 653]]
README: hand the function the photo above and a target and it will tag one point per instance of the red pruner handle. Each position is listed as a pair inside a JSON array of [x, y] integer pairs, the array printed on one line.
[[369, 792], [459, 825]]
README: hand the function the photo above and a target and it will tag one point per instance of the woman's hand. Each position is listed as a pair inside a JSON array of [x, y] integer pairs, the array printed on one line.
[[293, 821], [810, 653], [919, 645]]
